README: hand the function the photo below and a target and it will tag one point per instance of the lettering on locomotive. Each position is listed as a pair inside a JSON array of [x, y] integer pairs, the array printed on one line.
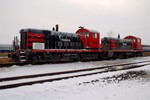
[[64, 38]]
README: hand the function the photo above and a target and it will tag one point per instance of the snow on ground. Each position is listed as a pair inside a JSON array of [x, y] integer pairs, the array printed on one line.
[[133, 84], [33, 69]]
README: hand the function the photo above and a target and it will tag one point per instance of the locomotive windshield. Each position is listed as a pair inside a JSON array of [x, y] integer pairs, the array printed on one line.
[[85, 34]]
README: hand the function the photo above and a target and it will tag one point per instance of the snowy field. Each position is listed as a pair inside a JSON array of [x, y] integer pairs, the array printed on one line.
[[133, 84]]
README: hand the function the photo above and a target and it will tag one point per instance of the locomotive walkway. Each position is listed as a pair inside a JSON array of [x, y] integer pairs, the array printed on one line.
[[17, 81]]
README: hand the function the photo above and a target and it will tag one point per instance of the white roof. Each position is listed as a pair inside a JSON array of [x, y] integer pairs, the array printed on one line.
[[94, 31], [5, 45]]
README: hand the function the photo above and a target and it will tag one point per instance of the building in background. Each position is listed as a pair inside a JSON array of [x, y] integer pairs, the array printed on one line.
[[6, 47]]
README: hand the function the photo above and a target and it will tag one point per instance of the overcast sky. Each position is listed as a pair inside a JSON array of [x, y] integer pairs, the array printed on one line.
[[126, 17]]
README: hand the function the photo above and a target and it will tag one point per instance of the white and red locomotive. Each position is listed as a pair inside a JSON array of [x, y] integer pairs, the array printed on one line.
[[38, 46]]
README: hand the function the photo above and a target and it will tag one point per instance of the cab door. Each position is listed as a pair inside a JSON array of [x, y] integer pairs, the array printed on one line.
[[94, 40]]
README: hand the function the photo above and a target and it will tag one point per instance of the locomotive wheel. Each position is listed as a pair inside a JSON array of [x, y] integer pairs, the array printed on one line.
[[35, 60], [140, 54], [110, 54], [56, 58], [88, 57]]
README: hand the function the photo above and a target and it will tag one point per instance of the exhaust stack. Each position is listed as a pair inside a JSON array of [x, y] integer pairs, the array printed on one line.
[[57, 27]]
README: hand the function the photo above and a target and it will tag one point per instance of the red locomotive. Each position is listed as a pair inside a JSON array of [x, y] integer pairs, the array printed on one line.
[[38, 46]]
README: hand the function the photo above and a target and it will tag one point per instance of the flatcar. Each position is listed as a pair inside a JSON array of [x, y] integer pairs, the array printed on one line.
[[38, 46]]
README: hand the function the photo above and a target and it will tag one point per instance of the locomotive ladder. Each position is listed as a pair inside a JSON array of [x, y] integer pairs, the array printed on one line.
[[22, 56]]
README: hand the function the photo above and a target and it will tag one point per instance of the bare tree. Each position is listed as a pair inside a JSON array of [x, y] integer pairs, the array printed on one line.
[[110, 33]]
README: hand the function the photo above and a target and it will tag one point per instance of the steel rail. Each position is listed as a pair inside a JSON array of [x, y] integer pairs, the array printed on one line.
[[64, 72], [114, 68]]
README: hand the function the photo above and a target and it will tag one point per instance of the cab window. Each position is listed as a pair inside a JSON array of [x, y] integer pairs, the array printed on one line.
[[95, 35], [85, 34]]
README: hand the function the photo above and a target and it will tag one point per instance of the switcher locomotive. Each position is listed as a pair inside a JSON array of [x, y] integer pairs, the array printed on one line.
[[38, 46]]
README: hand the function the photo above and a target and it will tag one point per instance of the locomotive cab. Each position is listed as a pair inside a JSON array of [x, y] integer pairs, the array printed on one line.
[[90, 38], [136, 42]]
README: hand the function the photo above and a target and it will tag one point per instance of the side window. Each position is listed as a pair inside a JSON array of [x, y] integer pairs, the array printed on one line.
[[85, 34], [139, 41], [95, 35], [88, 35], [134, 40]]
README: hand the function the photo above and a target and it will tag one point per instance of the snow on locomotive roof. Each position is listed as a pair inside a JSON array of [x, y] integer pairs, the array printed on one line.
[[82, 29], [113, 38], [93, 31], [31, 30], [131, 37], [41, 31]]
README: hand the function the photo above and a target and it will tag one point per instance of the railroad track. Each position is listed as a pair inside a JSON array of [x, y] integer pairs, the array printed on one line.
[[17, 81]]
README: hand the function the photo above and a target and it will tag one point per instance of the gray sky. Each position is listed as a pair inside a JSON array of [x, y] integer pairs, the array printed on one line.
[[126, 17]]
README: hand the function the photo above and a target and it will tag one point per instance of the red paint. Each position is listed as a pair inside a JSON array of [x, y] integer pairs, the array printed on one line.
[[35, 35], [34, 38], [90, 38], [136, 42]]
